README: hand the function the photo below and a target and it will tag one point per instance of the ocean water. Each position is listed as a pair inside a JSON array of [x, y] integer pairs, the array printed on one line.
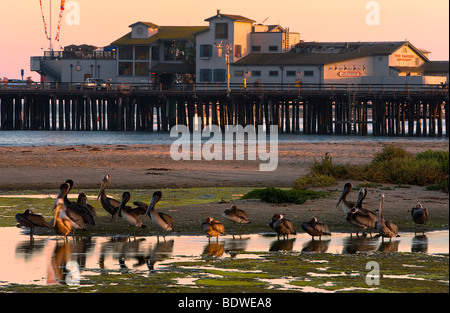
[[73, 138]]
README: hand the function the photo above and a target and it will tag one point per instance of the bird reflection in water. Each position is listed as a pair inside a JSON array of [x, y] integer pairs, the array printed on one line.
[[234, 246], [282, 245], [320, 246], [28, 248], [56, 270], [391, 246], [214, 249], [159, 252], [419, 244], [359, 244]]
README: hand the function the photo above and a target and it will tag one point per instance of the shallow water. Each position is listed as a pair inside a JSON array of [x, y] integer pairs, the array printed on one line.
[[43, 260], [58, 138]]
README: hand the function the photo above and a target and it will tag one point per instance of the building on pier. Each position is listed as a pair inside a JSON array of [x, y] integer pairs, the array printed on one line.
[[247, 52], [397, 62]]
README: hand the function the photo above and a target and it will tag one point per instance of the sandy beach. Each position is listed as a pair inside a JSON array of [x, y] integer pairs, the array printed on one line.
[[151, 167]]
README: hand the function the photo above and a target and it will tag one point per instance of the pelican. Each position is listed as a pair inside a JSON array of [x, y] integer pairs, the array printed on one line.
[[80, 209], [315, 228], [109, 204], [128, 214], [282, 226], [82, 199], [420, 216], [361, 217], [385, 228], [62, 226], [236, 215], [346, 205], [67, 215], [31, 220], [213, 228], [161, 220]]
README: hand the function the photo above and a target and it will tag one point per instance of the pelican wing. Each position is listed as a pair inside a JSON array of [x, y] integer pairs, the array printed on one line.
[[288, 224], [218, 226], [37, 220], [241, 214]]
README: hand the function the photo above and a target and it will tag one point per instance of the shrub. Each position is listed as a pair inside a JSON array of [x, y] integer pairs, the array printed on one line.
[[391, 152], [392, 165], [275, 195], [314, 181]]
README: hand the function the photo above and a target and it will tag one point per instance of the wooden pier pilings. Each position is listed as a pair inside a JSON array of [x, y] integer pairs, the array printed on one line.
[[360, 111]]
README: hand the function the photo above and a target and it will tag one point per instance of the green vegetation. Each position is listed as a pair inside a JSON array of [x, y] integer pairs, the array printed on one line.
[[270, 272], [276, 195], [392, 165]]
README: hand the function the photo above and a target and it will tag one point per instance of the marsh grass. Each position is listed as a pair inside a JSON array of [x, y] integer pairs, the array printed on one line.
[[392, 165], [276, 195]]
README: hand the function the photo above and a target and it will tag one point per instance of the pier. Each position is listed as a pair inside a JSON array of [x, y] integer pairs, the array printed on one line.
[[379, 110]]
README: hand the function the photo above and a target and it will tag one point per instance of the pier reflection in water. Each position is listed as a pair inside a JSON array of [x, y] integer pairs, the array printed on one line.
[[45, 260]]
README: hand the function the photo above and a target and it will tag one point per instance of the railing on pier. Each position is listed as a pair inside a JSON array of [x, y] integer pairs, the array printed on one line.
[[143, 88]]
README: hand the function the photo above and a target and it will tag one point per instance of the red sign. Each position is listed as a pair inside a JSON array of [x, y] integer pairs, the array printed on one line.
[[349, 73]]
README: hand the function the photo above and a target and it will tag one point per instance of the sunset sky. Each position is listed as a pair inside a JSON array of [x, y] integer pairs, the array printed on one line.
[[424, 23]]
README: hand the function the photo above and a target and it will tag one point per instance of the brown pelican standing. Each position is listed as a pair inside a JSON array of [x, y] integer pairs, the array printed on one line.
[[63, 226], [282, 226], [315, 228], [129, 214], [213, 228], [80, 209], [82, 199], [161, 220], [346, 205], [420, 216], [361, 217], [385, 228], [109, 204], [236, 215], [31, 220]]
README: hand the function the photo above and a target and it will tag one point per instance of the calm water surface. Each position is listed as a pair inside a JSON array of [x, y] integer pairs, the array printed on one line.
[[45, 260], [43, 138]]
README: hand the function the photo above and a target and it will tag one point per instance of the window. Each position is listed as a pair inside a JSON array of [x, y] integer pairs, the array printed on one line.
[[205, 75], [273, 73], [256, 48], [290, 73], [238, 73], [125, 52], [256, 73], [219, 75], [169, 51], [155, 53], [141, 68], [205, 51], [141, 53], [309, 73], [221, 30], [125, 68], [237, 51], [273, 48]]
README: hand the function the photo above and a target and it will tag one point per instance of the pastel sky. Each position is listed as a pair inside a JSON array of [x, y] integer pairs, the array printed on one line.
[[424, 23]]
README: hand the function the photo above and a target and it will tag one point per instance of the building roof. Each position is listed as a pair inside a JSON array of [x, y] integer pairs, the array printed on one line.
[[320, 53], [148, 24], [436, 67], [164, 33], [236, 18]]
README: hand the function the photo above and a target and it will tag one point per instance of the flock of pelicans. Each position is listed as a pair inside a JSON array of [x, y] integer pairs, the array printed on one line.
[[70, 215]]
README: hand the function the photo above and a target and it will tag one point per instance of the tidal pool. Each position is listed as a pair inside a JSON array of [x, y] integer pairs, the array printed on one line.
[[193, 262]]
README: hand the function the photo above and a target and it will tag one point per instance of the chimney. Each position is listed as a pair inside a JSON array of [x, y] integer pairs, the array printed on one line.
[[218, 12]]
